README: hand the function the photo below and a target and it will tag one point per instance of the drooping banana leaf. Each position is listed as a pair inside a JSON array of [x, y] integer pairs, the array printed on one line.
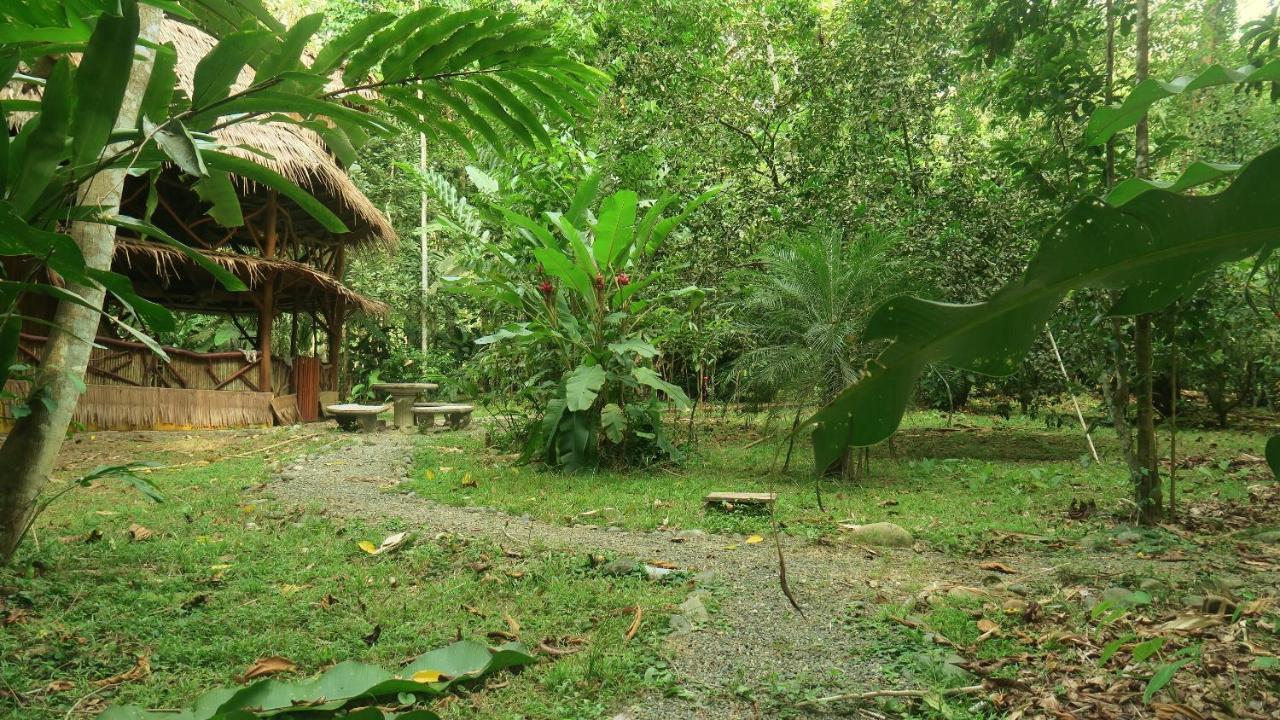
[[1156, 248], [1197, 173], [1108, 121]]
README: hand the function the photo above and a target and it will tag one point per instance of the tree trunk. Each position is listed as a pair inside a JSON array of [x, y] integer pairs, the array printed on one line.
[[28, 452], [1147, 483]]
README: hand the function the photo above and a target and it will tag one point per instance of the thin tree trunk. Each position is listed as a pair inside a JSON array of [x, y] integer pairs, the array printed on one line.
[[28, 452], [1147, 484]]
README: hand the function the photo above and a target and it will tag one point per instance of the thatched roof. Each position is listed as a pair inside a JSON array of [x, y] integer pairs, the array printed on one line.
[[178, 282], [295, 152]]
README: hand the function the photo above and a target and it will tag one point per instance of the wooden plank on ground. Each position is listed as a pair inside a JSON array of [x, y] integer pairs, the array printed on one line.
[[740, 498], [285, 408]]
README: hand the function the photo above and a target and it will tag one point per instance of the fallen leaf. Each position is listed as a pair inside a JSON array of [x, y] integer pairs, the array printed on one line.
[[368, 547], [267, 666], [58, 686], [427, 676], [635, 624], [755, 540], [998, 567], [468, 481], [373, 635], [327, 601], [431, 475], [513, 625], [664, 564], [137, 533], [140, 669], [474, 610], [1189, 623]]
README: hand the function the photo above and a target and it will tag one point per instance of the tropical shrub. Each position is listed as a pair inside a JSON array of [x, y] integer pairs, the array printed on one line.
[[583, 296]]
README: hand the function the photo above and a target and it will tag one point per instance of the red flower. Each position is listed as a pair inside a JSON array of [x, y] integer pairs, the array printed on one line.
[[599, 281], [546, 288], [623, 279]]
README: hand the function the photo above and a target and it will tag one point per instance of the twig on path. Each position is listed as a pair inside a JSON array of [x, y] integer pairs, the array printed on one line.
[[80, 702], [861, 697], [247, 453]]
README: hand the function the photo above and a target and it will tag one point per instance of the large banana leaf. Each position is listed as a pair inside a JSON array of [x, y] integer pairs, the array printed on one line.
[[1156, 248], [1108, 121], [431, 674]]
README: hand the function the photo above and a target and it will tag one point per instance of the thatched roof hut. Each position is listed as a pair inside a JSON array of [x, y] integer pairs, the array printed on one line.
[[290, 263]]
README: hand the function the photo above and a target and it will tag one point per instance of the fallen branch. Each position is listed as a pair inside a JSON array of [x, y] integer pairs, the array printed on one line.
[[862, 697], [247, 453]]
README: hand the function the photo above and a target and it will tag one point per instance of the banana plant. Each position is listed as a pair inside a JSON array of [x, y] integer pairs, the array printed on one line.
[[581, 284], [1156, 248]]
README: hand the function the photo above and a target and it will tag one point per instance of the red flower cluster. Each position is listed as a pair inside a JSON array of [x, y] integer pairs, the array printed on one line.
[[546, 288], [623, 279]]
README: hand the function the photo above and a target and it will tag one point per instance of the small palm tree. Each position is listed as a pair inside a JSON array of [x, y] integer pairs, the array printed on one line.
[[805, 310]]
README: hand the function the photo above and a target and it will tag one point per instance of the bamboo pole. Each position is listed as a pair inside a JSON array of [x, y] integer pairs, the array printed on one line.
[[1074, 403]]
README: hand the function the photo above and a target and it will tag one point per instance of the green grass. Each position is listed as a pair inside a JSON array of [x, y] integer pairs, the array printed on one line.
[[950, 488], [230, 577]]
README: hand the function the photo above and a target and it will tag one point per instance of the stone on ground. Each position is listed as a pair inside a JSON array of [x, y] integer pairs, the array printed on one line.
[[882, 533]]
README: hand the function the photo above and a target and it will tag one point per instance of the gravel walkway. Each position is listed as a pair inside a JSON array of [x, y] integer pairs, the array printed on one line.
[[754, 638]]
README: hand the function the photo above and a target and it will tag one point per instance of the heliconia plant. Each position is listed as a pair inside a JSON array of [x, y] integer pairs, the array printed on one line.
[[583, 286]]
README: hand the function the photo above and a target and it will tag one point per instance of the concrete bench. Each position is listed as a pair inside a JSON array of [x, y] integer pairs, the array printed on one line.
[[458, 416], [352, 415]]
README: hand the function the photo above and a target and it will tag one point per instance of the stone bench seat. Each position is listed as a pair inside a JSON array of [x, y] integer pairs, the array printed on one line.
[[352, 415], [458, 416]]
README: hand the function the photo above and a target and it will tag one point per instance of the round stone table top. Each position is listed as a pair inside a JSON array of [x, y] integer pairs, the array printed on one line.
[[396, 388]]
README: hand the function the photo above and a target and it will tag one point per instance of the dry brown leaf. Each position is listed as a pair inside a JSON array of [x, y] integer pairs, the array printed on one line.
[[58, 686], [664, 564], [474, 611], [137, 533], [635, 624], [998, 567], [1189, 623], [140, 669], [513, 626], [267, 666], [986, 626]]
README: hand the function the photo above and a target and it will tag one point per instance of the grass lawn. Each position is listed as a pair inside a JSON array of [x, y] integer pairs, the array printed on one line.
[[227, 578], [950, 486]]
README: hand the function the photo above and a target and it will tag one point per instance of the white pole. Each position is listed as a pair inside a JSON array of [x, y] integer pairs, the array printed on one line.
[[1079, 415]]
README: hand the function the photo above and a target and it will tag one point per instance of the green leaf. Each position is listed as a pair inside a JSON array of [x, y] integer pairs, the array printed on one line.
[[614, 422], [506, 332], [13, 34], [1111, 648], [582, 386], [58, 251], [1197, 173], [334, 53], [224, 202], [1107, 121], [1146, 649], [146, 229], [555, 264], [647, 376], [160, 84], [1154, 249], [662, 229], [1273, 455], [176, 142], [490, 105], [155, 316], [615, 229], [1161, 677], [388, 42], [288, 54], [583, 198], [46, 146], [518, 109], [634, 346], [101, 79], [482, 180], [275, 181], [217, 71]]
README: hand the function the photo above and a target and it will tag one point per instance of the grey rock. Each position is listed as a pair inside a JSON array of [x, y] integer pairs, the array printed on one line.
[[694, 610], [1152, 585], [624, 566], [705, 576], [656, 573], [1123, 597], [882, 533], [968, 594], [679, 625], [1127, 537], [692, 534], [1018, 589], [1192, 601]]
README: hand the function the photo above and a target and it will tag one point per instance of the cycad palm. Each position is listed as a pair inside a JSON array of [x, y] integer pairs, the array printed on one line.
[[805, 310]]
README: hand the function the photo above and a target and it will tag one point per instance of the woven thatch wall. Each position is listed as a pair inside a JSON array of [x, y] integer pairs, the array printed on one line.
[[118, 364], [120, 407]]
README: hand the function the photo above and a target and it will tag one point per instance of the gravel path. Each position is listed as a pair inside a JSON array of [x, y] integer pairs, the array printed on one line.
[[755, 636]]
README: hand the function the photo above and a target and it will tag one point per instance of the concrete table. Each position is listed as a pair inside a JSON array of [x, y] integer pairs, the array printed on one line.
[[403, 396], [366, 416]]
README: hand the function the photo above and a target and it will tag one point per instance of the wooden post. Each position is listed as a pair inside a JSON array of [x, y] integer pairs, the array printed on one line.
[[266, 314], [336, 319]]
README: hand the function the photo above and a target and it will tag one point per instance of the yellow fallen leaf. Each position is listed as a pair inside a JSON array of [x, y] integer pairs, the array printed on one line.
[[755, 539], [367, 546], [730, 547], [431, 474], [427, 676], [467, 481]]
